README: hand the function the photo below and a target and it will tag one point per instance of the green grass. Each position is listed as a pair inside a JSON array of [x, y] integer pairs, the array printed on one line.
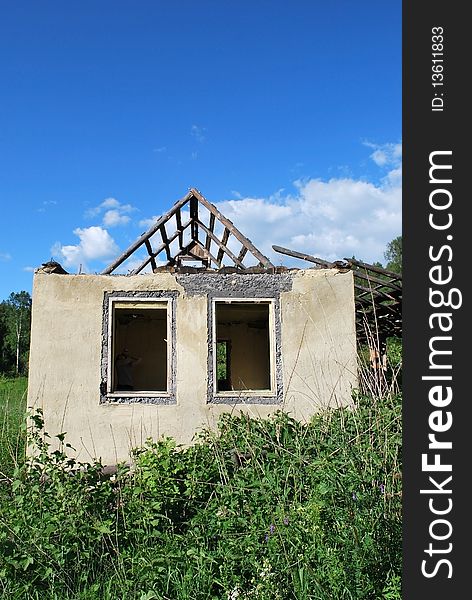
[[266, 509], [12, 413]]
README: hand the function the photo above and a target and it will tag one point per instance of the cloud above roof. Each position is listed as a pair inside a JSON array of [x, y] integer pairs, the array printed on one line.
[[330, 219], [95, 244]]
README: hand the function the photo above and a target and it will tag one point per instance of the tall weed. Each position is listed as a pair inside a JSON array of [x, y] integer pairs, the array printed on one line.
[[259, 509], [12, 432]]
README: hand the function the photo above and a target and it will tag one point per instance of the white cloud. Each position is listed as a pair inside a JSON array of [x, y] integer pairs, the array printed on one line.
[[332, 219], [148, 222], [114, 212], [5, 256], [95, 244], [113, 217], [393, 178], [386, 155], [109, 203]]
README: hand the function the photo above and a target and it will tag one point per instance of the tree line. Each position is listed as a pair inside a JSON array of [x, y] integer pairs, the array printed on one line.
[[15, 325], [393, 255]]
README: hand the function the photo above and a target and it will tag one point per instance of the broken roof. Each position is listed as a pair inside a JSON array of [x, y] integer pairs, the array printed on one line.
[[195, 230], [192, 230], [377, 295]]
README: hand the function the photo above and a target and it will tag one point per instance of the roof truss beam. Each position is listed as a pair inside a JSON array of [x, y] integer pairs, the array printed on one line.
[[195, 201]]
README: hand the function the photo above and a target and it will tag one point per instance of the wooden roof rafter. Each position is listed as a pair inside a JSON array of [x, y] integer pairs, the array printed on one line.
[[203, 219], [377, 294]]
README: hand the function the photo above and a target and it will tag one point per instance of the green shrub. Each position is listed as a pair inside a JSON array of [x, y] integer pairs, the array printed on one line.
[[56, 525], [268, 509]]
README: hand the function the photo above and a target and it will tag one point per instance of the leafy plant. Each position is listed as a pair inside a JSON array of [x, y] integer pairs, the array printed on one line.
[[271, 509]]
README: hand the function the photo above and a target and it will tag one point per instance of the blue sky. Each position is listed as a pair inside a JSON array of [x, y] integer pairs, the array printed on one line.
[[287, 115]]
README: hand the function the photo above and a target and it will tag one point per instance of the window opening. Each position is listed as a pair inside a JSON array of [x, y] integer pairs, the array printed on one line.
[[244, 346], [139, 342]]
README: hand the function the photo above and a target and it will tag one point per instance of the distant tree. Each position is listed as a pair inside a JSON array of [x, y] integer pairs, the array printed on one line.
[[15, 322], [4, 361], [393, 255]]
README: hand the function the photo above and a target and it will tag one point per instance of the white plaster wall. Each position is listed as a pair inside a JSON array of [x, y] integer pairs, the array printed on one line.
[[317, 341]]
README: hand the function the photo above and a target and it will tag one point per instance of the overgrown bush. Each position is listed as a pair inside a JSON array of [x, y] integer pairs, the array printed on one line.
[[260, 509]]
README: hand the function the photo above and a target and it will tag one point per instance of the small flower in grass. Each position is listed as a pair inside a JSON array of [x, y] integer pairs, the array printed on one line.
[[354, 496], [382, 488], [286, 521], [271, 531], [266, 570]]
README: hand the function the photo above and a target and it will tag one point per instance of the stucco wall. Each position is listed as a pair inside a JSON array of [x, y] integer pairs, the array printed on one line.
[[316, 354]]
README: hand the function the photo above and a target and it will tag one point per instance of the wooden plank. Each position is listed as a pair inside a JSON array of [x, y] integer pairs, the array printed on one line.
[[145, 236], [178, 220], [307, 257], [220, 245], [211, 227], [368, 277], [369, 267], [198, 252], [195, 198], [378, 296], [194, 217], [151, 254], [372, 309], [224, 241], [234, 231], [165, 240], [159, 249], [360, 274], [376, 293], [242, 254]]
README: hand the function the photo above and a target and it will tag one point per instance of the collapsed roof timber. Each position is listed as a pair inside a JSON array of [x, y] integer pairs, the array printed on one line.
[[206, 236], [377, 292]]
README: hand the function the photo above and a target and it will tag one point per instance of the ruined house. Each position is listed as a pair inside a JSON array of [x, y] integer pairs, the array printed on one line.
[[216, 328]]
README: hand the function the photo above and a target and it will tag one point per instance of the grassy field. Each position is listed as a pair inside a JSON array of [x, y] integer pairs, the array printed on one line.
[[257, 510], [12, 412]]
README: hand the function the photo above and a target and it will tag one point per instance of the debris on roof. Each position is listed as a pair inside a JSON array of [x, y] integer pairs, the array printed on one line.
[[52, 267], [377, 295]]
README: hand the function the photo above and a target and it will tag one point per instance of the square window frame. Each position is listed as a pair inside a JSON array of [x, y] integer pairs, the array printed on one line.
[[262, 396], [107, 395]]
